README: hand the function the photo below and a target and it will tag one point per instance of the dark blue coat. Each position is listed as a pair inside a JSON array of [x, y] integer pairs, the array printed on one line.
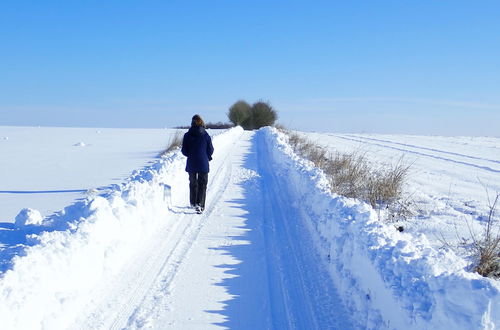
[[197, 147]]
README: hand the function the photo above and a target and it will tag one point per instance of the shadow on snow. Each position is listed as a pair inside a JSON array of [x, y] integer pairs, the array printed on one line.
[[14, 241], [280, 281]]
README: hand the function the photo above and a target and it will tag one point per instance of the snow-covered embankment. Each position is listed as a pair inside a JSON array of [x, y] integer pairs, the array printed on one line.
[[57, 277], [388, 279]]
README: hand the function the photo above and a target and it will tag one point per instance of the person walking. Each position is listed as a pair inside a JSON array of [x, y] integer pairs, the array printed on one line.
[[197, 147]]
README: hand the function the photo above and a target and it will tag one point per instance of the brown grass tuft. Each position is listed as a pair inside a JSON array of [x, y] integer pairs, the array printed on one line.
[[174, 142], [351, 175]]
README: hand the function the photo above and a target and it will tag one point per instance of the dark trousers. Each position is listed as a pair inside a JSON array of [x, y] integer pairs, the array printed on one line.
[[198, 188]]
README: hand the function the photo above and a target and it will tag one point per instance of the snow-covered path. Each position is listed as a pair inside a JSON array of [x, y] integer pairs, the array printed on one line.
[[238, 265], [275, 249]]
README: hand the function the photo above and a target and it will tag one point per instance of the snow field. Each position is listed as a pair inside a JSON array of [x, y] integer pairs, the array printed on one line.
[[388, 279], [54, 281], [273, 249], [447, 180], [48, 168]]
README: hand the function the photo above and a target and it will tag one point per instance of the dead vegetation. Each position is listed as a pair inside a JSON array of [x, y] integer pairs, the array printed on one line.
[[483, 248], [486, 247], [174, 142], [351, 175]]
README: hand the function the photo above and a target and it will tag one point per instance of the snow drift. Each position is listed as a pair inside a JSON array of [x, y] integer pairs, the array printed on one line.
[[86, 245], [387, 278]]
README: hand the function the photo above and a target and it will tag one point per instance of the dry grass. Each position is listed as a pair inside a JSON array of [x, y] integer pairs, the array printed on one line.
[[483, 248], [348, 174], [385, 186], [351, 175], [174, 142], [487, 247]]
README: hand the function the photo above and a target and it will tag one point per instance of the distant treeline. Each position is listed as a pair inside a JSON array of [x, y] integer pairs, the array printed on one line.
[[218, 125], [248, 116]]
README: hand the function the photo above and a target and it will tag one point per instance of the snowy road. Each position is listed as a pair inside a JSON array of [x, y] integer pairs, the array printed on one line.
[[274, 249], [238, 265]]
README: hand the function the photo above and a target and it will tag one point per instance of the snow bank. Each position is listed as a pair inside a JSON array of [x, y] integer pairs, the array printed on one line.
[[87, 245], [390, 279], [28, 217]]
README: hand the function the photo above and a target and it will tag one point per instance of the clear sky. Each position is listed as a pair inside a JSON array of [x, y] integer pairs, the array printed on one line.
[[407, 66]]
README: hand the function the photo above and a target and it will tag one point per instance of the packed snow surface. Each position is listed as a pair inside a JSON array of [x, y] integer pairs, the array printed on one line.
[[273, 249]]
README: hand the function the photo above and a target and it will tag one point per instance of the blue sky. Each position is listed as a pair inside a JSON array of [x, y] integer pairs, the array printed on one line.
[[416, 67]]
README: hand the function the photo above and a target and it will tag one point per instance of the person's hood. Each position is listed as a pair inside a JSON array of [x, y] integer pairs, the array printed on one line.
[[197, 130]]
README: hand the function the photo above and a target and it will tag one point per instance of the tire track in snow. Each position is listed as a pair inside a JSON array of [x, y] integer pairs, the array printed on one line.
[[120, 298], [155, 265], [426, 148], [301, 291], [168, 258], [486, 168], [154, 300]]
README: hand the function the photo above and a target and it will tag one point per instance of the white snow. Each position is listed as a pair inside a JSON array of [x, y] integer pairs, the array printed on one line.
[[44, 168], [394, 280], [28, 217], [449, 181], [273, 249]]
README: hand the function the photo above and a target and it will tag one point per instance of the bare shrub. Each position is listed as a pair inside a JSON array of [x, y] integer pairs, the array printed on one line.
[[484, 248], [174, 142], [487, 247], [280, 127], [318, 156], [262, 114], [252, 117], [239, 113], [294, 140], [401, 209]]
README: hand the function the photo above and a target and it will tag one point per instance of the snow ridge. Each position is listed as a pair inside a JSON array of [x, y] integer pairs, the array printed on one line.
[[87, 245], [387, 278]]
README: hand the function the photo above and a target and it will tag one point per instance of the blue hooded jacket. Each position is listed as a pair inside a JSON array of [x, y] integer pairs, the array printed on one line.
[[197, 147]]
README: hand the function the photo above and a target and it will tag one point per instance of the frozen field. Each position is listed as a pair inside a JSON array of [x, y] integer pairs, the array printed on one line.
[[48, 168], [274, 248], [449, 181]]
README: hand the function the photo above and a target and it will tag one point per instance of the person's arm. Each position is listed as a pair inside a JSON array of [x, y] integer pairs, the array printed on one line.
[[184, 150], [210, 147]]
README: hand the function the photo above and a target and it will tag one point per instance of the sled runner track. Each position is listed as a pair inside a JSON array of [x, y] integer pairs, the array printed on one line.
[[486, 168], [149, 274], [172, 255], [165, 251], [169, 269], [136, 278], [426, 148], [302, 294]]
